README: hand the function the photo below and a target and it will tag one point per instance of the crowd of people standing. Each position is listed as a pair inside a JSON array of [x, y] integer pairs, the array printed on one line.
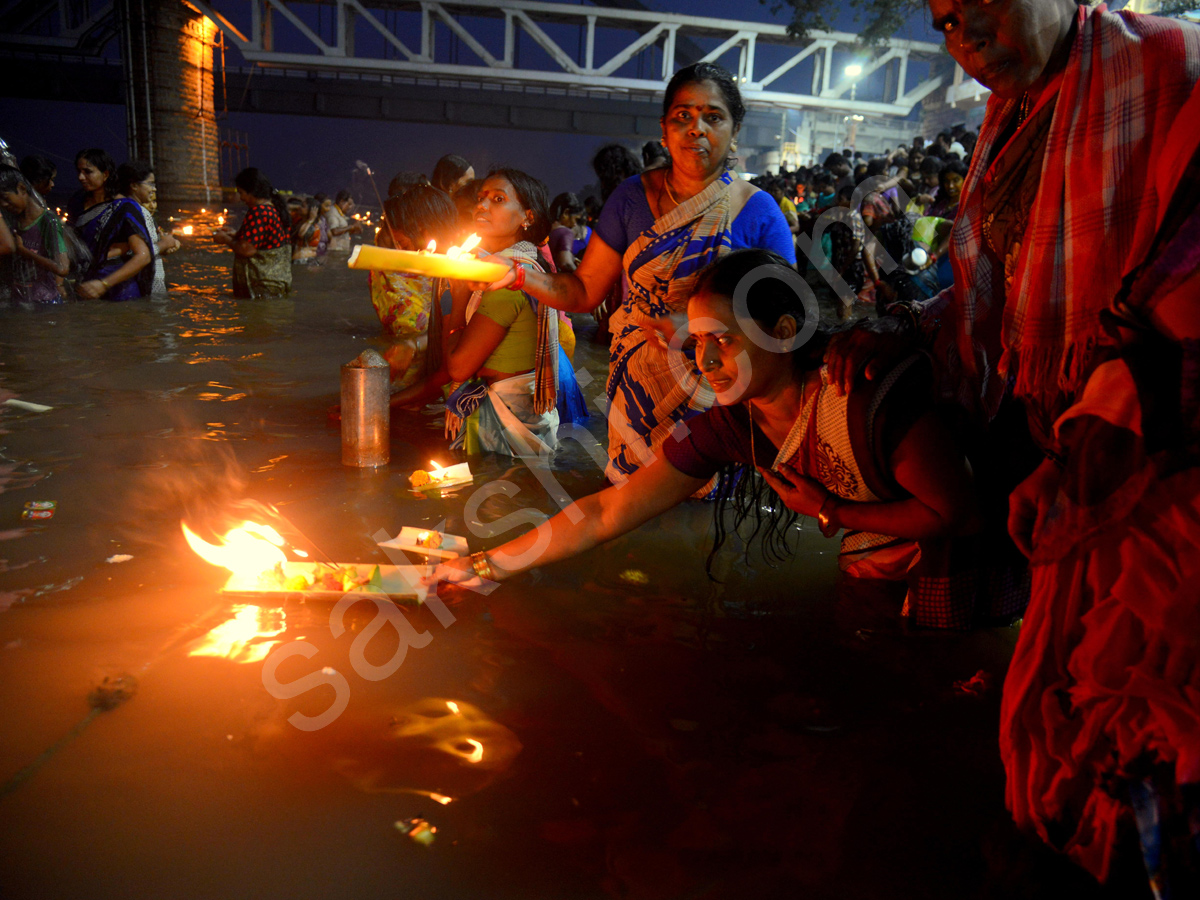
[[1014, 433]]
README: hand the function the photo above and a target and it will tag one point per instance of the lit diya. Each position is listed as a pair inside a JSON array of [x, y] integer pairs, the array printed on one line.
[[257, 564], [437, 478], [456, 262], [428, 543]]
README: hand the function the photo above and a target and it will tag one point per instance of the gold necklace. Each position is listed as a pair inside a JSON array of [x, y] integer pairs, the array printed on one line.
[[667, 184]]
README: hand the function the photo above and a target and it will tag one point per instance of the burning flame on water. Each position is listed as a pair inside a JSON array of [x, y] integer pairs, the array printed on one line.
[[240, 639], [247, 550]]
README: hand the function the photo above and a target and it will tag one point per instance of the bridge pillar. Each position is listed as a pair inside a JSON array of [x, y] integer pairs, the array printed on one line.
[[167, 50]]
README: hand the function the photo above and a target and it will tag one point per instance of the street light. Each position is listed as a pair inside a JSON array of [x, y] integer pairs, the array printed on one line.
[[853, 71]]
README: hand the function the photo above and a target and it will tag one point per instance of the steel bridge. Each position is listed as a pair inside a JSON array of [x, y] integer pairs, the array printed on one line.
[[591, 48], [554, 49]]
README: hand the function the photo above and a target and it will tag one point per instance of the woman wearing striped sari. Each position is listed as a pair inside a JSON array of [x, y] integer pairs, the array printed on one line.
[[658, 230]]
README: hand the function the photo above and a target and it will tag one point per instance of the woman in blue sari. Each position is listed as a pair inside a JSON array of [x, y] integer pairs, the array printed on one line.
[[114, 231], [658, 230]]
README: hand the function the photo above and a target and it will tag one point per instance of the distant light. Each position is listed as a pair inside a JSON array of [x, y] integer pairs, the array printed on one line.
[[853, 70]]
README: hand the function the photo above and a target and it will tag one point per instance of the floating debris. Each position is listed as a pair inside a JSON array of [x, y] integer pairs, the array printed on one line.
[[112, 692], [418, 829], [634, 576], [119, 558]]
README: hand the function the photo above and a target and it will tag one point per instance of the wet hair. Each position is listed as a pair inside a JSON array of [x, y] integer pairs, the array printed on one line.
[[37, 169], [613, 163], [718, 75], [103, 163], [11, 179], [652, 152], [423, 210], [532, 195], [405, 180], [342, 195], [740, 489], [931, 165], [835, 160], [565, 203], [133, 172], [448, 170], [255, 183]]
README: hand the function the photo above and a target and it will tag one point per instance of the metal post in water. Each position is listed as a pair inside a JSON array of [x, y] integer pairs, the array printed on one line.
[[365, 411]]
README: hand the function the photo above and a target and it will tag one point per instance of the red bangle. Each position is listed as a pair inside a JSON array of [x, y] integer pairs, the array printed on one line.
[[519, 282]]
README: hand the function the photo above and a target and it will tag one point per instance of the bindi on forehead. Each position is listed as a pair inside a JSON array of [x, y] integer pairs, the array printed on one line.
[[699, 95]]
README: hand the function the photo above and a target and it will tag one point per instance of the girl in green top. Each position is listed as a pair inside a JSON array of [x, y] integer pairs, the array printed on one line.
[[500, 347], [40, 258]]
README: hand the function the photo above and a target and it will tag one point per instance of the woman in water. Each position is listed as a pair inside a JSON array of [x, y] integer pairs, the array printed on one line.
[[658, 230], [114, 230], [40, 260], [135, 180], [501, 345], [262, 251]]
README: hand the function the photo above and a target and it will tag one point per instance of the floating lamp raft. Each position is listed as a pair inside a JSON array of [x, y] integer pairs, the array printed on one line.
[[257, 565]]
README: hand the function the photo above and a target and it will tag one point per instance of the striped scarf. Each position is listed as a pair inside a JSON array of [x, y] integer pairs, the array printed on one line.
[[545, 358], [1116, 126]]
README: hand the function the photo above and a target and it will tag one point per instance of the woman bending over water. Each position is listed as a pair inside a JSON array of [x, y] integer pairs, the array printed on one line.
[[877, 463]]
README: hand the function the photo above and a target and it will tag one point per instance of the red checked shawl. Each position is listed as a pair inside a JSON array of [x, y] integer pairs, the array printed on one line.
[[1112, 156]]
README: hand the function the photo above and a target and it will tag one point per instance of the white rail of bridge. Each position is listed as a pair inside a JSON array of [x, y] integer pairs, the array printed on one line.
[[581, 68]]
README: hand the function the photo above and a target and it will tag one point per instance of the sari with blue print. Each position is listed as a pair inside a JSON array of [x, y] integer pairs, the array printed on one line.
[[651, 388], [105, 225]]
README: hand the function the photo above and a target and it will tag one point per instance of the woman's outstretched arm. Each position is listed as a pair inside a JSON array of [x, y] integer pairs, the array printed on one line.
[[599, 517]]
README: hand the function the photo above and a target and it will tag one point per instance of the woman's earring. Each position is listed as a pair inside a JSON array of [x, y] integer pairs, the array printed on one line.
[[733, 146]]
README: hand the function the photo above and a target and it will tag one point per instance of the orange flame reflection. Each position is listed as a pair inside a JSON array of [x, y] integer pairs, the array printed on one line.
[[240, 639], [246, 550]]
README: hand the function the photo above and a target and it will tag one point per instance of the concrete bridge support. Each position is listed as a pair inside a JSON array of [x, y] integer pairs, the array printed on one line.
[[167, 49]]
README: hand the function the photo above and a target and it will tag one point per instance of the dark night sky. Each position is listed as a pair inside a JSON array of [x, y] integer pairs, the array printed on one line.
[[310, 153]]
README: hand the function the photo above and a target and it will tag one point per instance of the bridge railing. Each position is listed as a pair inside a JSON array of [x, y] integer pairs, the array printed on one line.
[[413, 41]]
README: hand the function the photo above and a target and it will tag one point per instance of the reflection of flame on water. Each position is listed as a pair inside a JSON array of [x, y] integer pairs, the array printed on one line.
[[476, 753], [247, 550], [187, 229], [241, 639]]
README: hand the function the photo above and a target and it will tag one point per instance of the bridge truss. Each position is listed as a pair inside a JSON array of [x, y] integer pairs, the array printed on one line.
[[517, 45], [410, 44]]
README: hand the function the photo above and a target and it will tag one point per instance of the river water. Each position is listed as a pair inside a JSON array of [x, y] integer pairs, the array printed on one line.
[[613, 726]]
